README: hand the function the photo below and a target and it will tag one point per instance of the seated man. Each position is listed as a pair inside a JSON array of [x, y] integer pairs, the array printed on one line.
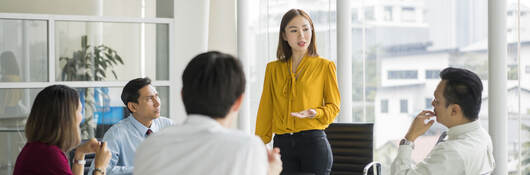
[[142, 100], [213, 86], [468, 147]]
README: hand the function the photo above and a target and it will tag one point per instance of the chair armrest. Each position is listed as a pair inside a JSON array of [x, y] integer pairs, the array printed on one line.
[[377, 168]]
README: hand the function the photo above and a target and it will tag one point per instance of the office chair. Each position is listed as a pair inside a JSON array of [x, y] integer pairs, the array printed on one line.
[[352, 148]]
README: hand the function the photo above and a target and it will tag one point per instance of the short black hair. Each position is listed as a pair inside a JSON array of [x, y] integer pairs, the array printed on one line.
[[212, 82], [464, 88], [130, 91]]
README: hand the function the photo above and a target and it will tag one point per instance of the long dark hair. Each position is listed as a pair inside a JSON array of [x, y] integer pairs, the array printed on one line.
[[284, 51], [52, 119]]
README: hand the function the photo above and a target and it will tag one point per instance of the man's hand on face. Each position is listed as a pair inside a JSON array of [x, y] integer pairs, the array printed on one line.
[[418, 126]]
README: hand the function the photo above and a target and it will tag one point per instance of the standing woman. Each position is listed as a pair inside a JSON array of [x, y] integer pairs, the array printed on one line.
[[52, 129], [300, 98]]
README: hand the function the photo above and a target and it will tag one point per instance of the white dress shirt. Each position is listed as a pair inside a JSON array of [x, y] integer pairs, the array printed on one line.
[[467, 150], [201, 146]]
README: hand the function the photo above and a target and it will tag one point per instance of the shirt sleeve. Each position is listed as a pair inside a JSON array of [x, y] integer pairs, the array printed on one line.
[[329, 111], [170, 122], [440, 161], [141, 168], [264, 118], [114, 147], [257, 160]]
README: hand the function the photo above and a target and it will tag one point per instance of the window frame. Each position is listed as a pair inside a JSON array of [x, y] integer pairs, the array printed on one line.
[[51, 19]]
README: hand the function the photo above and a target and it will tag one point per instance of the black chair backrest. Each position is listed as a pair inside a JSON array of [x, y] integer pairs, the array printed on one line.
[[352, 147]]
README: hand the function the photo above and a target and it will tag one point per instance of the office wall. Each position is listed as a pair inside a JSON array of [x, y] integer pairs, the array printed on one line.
[[222, 34]]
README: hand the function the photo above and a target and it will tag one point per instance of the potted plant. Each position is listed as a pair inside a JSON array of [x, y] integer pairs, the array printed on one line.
[[91, 63]]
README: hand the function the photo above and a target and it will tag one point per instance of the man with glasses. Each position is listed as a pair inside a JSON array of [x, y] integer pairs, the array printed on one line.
[[141, 99], [467, 148]]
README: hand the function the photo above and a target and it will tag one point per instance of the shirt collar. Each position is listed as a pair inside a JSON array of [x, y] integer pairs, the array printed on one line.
[[198, 119], [455, 131], [140, 127]]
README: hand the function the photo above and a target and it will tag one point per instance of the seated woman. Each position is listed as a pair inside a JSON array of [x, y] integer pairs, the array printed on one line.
[[52, 129]]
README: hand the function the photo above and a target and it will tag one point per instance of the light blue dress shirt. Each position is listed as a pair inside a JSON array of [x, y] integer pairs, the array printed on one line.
[[123, 138]]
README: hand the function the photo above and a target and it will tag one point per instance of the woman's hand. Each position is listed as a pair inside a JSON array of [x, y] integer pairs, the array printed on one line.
[[91, 146], [310, 113], [102, 157]]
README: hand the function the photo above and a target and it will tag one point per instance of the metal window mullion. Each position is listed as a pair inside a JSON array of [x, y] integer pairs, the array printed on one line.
[[344, 59], [363, 57], [518, 25], [85, 18], [160, 83], [173, 91], [23, 16], [89, 84], [497, 53], [51, 50], [114, 19], [23, 85]]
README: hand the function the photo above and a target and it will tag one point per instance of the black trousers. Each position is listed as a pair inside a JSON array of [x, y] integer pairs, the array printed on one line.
[[305, 152]]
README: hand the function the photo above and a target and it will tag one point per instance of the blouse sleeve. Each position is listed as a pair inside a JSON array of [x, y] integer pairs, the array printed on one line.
[[331, 107], [264, 118]]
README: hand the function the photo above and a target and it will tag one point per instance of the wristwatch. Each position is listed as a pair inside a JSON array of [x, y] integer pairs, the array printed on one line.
[[98, 170], [80, 162], [404, 141]]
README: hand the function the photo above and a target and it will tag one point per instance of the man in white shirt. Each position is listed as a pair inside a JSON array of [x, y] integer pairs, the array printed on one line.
[[213, 86], [468, 147]]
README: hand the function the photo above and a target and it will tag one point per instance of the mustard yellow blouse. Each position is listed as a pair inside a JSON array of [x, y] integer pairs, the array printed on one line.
[[314, 85]]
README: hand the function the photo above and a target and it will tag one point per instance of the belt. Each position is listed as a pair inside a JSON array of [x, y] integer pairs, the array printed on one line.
[[300, 133]]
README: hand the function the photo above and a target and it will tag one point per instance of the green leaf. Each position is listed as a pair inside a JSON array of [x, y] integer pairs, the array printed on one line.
[[101, 72], [119, 58], [111, 58], [114, 73]]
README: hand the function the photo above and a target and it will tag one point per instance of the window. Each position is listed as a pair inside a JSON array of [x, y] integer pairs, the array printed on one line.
[[23, 50], [459, 48], [428, 103], [388, 13], [16, 102], [510, 13], [403, 74], [432, 74], [468, 36], [355, 15], [384, 106], [408, 14], [125, 39], [369, 13], [114, 8], [34, 57], [403, 106]]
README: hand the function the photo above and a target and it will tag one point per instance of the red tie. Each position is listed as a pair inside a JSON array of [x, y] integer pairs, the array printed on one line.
[[148, 132]]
